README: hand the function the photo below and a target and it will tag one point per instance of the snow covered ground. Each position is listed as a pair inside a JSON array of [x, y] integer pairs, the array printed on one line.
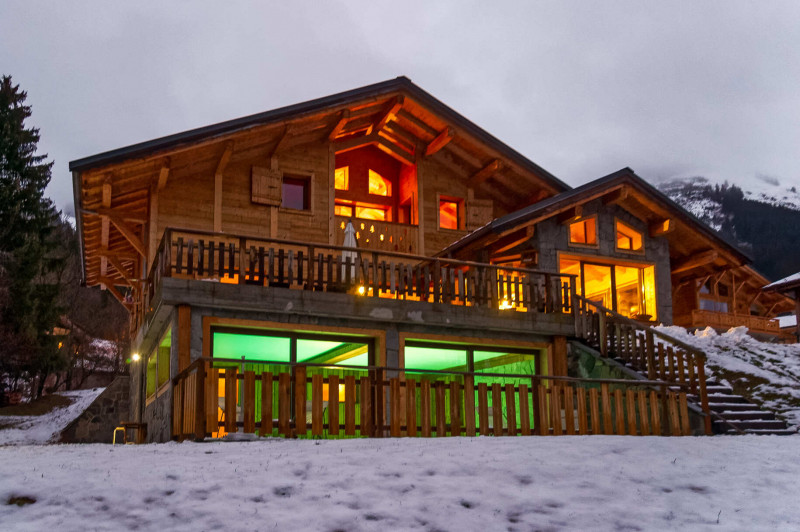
[[531, 483], [28, 430], [770, 371]]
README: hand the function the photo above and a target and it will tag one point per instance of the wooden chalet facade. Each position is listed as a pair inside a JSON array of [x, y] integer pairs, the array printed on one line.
[[451, 315]]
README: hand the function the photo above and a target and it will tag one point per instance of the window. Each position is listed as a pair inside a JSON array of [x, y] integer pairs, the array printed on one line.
[[583, 232], [449, 213], [343, 210], [366, 211], [158, 365], [379, 185], [628, 239], [341, 178], [715, 296], [629, 289], [296, 193]]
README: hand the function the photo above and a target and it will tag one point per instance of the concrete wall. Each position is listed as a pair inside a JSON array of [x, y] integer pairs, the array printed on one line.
[[552, 239], [96, 424]]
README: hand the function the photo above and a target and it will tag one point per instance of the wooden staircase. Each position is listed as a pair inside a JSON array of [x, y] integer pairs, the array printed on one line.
[[655, 355]]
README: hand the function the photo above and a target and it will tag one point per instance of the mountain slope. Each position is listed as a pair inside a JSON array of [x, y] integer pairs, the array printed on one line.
[[765, 222]]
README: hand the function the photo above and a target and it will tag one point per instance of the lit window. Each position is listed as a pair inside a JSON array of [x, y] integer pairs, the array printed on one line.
[[296, 193], [379, 185], [583, 231], [343, 210], [448, 214], [373, 213], [628, 238], [158, 369], [341, 178]]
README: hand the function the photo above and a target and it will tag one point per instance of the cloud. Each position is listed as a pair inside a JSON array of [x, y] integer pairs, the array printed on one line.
[[583, 89]]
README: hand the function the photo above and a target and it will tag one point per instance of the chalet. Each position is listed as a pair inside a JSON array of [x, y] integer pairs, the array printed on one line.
[[372, 263]]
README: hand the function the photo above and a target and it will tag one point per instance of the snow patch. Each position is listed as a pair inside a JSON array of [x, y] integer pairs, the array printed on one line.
[[32, 430]]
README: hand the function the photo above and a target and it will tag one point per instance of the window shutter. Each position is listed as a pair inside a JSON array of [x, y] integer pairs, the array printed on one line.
[[479, 213], [266, 186]]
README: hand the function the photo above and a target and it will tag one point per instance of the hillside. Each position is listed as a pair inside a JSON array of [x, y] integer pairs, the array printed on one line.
[[763, 221]]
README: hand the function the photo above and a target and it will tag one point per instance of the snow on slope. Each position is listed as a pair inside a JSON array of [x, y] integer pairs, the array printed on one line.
[[457, 484], [27, 430], [760, 188], [771, 372]]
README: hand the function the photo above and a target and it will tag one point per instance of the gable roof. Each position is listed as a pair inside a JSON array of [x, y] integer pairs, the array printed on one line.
[[643, 197], [399, 84]]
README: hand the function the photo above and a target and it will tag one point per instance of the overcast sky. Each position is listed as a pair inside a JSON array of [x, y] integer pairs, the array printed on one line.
[[581, 88]]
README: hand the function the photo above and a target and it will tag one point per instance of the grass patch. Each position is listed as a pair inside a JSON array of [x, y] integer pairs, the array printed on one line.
[[37, 408]]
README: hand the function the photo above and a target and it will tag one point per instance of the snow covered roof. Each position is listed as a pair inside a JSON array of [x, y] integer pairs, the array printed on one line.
[[791, 281]]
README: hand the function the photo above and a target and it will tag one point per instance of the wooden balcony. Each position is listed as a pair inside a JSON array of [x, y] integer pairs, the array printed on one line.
[[724, 320], [360, 273], [380, 236]]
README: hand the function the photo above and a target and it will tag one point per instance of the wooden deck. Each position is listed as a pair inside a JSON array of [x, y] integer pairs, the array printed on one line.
[[244, 260], [725, 320], [309, 400]]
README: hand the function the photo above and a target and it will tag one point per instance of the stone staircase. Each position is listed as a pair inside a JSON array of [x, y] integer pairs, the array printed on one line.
[[734, 414]]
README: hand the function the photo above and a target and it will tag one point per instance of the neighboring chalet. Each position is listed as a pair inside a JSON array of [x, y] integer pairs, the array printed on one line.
[[790, 287], [372, 263]]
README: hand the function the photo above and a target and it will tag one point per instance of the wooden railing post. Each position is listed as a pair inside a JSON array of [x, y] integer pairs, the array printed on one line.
[[602, 333], [650, 350], [576, 311], [311, 270], [241, 260], [200, 403], [701, 381], [300, 400], [437, 278]]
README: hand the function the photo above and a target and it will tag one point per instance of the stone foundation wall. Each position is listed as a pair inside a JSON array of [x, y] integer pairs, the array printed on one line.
[[96, 424]]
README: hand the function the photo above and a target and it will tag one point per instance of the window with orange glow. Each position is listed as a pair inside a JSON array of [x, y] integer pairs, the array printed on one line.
[[341, 178], [628, 238], [379, 185], [373, 213], [583, 232], [343, 210], [448, 214]]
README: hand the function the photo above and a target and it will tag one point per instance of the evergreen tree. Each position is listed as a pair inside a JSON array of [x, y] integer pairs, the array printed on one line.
[[30, 259]]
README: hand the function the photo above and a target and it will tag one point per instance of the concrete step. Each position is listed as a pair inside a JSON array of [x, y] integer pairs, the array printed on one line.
[[725, 398], [749, 415], [766, 424], [733, 407]]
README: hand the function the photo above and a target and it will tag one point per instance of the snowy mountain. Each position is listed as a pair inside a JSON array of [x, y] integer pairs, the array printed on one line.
[[763, 219]]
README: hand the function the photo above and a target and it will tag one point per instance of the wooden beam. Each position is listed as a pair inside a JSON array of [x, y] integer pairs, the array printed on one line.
[[223, 162], [281, 142], [699, 259], [108, 284], [121, 214], [121, 269], [484, 173], [129, 233], [354, 143], [163, 174], [344, 116], [390, 113], [615, 196], [441, 140], [513, 240], [119, 254], [105, 228], [570, 215], [662, 227], [393, 150]]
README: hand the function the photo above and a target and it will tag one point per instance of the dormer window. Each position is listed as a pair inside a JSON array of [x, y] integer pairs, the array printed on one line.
[[379, 185], [584, 231], [628, 238]]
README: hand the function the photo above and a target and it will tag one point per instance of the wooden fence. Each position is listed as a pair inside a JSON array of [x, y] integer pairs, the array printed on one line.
[[650, 352], [371, 273], [304, 402]]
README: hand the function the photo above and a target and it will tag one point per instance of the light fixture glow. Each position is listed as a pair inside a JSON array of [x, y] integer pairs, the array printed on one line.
[[135, 357], [362, 290]]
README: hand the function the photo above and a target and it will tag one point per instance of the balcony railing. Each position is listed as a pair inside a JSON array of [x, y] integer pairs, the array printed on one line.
[[710, 318], [213, 397], [267, 262], [381, 236]]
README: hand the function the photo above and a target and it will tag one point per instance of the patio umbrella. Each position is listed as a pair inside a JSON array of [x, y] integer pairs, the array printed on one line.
[[349, 242]]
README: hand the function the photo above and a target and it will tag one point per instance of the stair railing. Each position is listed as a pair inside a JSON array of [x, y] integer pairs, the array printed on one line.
[[650, 352]]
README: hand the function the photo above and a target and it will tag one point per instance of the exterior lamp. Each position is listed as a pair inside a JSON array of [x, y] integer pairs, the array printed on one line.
[[135, 357], [361, 290]]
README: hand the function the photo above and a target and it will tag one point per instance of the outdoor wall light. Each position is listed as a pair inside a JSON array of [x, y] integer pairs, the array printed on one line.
[[135, 357]]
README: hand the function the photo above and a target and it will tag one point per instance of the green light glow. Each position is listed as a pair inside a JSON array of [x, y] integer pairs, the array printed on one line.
[[251, 346], [437, 359]]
